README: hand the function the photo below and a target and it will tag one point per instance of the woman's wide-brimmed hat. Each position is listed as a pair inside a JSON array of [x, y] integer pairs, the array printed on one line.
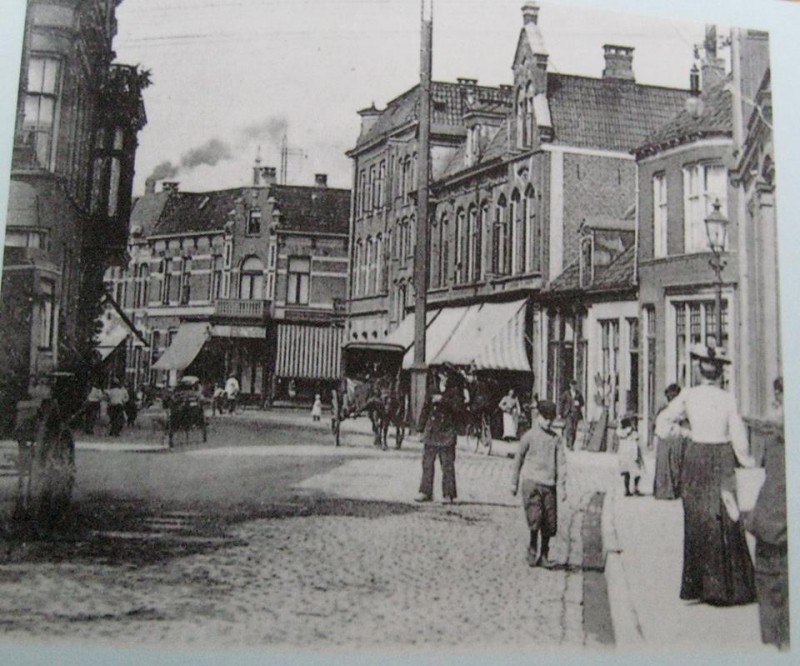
[[709, 354]]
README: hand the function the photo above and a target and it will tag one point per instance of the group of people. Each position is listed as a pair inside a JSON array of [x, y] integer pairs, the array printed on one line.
[[225, 398], [122, 407]]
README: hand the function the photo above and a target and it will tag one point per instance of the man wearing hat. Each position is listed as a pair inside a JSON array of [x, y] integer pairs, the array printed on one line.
[[443, 408], [571, 411], [716, 563]]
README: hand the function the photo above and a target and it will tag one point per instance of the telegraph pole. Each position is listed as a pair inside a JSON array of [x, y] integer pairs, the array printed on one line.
[[419, 370]]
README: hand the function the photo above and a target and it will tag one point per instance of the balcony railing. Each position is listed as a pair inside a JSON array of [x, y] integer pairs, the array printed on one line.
[[237, 308]]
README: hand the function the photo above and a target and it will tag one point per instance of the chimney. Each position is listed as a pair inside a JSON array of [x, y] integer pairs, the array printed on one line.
[[170, 186], [321, 179], [150, 186], [369, 117], [264, 175], [469, 83], [713, 68], [619, 62], [530, 13], [694, 81]]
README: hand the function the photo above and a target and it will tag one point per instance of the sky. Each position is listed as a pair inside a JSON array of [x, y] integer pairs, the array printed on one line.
[[232, 75]]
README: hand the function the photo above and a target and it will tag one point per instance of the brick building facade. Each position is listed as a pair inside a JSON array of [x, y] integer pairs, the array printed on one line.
[[78, 116], [247, 282], [516, 172]]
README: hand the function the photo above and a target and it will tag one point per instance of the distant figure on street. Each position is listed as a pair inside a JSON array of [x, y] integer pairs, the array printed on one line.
[[541, 455], [571, 410], [93, 408], [716, 562], [628, 454], [232, 393], [767, 522], [117, 397], [131, 408], [316, 409], [443, 408], [509, 405], [669, 452], [217, 399]]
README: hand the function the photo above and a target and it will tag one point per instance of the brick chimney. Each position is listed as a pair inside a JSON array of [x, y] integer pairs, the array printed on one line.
[[321, 179], [150, 186], [264, 175], [619, 62], [369, 117], [170, 186], [530, 13], [712, 68]]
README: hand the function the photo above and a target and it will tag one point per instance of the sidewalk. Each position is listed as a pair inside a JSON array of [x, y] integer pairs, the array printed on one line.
[[643, 543]]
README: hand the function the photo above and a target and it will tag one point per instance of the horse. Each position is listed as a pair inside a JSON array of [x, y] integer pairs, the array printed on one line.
[[383, 401], [484, 396]]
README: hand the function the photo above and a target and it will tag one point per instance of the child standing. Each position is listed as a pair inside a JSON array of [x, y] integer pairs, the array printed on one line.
[[316, 410], [630, 460], [541, 453]]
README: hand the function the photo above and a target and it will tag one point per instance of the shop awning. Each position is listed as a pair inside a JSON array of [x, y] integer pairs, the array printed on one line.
[[403, 336], [440, 329], [108, 340], [490, 334], [310, 352], [185, 347]]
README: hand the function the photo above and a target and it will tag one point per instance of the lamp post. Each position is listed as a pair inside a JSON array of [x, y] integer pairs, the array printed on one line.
[[717, 231]]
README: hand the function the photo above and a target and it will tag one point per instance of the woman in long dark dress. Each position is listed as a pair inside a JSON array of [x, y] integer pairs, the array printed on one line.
[[716, 563]]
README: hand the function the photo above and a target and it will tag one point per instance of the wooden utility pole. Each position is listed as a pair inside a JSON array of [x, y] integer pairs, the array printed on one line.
[[420, 370]]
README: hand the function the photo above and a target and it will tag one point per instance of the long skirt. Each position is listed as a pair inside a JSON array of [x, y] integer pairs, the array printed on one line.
[[772, 585], [509, 425], [669, 460], [716, 563]]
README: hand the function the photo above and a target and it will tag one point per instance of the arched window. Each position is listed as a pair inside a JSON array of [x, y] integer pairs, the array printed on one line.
[[529, 113], [251, 279], [515, 247], [522, 138], [532, 241], [400, 303], [444, 250], [460, 247], [411, 238]]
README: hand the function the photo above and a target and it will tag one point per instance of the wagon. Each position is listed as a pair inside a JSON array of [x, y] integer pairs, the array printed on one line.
[[185, 409]]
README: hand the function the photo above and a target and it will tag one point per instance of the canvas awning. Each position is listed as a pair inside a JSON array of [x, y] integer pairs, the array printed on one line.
[[492, 335], [109, 340], [185, 347], [312, 352]]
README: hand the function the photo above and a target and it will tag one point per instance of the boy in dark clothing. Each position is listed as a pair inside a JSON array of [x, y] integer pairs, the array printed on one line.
[[542, 449]]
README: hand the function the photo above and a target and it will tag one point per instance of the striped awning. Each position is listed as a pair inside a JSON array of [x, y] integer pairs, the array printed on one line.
[[492, 335], [309, 352]]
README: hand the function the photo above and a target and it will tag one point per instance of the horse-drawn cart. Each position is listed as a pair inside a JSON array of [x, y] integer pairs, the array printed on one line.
[[185, 409], [372, 384]]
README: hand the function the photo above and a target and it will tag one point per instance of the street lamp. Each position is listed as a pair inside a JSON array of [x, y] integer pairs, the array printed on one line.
[[717, 231]]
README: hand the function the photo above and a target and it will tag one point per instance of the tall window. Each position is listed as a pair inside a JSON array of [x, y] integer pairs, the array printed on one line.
[[299, 278], [702, 185], [254, 222], [45, 313], [362, 194], [41, 107], [166, 281], [411, 240], [484, 226], [474, 253], [461, 246], [356, 269], [516, 248], [372, 201], [499, 241], [609, 344], [695, 323], [381, 184], [186, 281], [659, 215], [369, 261], [444, 250], [632, 402], [649, 312], [378, 261], [251, 279], [216, 278], [532, 241]]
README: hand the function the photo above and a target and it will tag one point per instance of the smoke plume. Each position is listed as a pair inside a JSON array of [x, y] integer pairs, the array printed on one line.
[[163, 171], [210, 153], [271, 129]]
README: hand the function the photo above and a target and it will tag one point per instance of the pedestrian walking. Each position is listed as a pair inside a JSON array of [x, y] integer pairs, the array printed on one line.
[[117, 397], [92, 413], [217, 399], [716, 562], [571, 410], [629, 456], [541, 456], [669, 452], [767, 522], [443, 409], [316, 409], [232, 393], [131, 408], [509, 405]]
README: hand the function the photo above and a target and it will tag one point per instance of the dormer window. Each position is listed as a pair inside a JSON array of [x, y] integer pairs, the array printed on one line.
[[254, 222], [587, 262]]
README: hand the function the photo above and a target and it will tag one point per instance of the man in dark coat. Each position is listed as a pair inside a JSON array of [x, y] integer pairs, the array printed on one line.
[[571, 410], [444, 406]]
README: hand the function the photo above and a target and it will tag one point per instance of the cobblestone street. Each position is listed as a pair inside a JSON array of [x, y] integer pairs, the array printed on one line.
[[340, 556]]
